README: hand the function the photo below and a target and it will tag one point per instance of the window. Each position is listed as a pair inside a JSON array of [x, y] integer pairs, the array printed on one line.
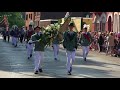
[[31, 16], [97, 27], [38, 23], [103, 27], [35, 23], [27, 17]]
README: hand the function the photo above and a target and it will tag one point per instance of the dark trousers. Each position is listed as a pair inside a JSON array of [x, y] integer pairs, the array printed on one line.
[[4, 37], [100, 48], [21, 38]]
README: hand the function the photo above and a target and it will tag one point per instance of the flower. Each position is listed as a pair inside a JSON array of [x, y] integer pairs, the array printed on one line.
[[49, 34]]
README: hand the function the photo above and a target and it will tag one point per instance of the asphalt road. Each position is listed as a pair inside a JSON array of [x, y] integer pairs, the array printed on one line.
[[14, 64]]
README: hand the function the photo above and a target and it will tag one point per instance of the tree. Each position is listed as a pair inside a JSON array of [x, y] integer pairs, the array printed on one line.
[[14, 18]]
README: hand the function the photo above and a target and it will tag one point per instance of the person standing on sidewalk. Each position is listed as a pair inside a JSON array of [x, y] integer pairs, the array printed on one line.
[[85, 41], [111, 43], [39, 49], [100, 43], [70, 44]]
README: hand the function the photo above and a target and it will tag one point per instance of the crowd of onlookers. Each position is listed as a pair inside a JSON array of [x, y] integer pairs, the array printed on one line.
[[106, 42]]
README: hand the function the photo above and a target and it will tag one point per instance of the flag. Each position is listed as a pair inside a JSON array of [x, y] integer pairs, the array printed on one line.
[[67, 14]]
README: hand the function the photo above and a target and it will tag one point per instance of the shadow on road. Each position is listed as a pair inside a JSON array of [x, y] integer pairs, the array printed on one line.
[[15, 60]]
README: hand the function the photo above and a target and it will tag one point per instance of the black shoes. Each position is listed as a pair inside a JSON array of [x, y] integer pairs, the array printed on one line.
[[69, 73], [40, 70], [84, 59], [30, 55], [36, 72], [55, 59], [15, 45]]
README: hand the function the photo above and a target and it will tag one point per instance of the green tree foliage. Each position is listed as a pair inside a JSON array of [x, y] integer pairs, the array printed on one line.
[[14, 18]]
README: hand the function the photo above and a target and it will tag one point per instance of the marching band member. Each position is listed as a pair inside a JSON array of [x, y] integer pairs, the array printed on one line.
[[70, 44], [29, 33], [85, 41], [39, 49], [15, 35], [55, 47]]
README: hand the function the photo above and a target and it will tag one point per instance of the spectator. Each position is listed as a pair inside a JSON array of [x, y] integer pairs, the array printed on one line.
[[111, 44], [100, 42]]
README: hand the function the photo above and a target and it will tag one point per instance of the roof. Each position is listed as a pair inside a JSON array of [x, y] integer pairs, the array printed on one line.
[[59, 15]]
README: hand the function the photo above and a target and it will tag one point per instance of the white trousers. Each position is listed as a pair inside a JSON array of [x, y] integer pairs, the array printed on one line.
[[29, 51], [56, 50], [70, 59], [15, 40], [38, 56], [85, 51]]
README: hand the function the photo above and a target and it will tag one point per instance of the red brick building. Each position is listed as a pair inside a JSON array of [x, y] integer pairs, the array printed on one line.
[[106, 21], [32, 18], [102, 21], [46, 18], [29, 19]]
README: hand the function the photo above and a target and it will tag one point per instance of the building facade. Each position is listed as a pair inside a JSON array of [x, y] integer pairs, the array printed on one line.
[[32, 18], [116, 23], [106, 21], [37, 16], [29, 19]]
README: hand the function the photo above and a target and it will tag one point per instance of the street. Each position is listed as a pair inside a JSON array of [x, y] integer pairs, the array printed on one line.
[[14, 64]]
